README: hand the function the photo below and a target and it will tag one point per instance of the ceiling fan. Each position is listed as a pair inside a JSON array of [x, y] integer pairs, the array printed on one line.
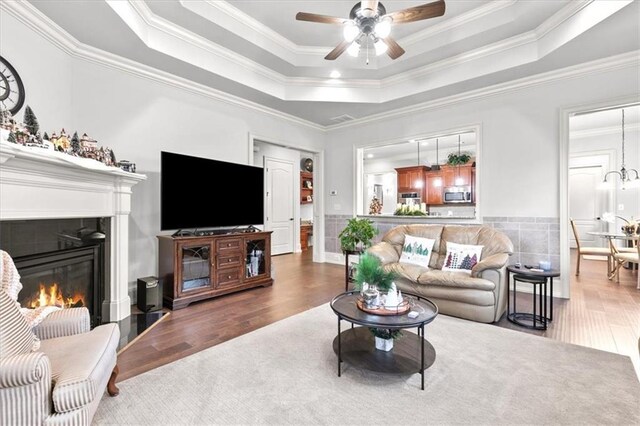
[[369, 21]]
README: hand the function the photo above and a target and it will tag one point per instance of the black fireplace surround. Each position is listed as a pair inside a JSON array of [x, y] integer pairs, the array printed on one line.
[[70, 253]]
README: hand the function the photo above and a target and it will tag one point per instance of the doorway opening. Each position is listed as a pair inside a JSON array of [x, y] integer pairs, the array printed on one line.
[[292, 196], [592, 192]]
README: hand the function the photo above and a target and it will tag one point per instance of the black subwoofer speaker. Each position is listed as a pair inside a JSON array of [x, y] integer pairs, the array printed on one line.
[[149, 294]]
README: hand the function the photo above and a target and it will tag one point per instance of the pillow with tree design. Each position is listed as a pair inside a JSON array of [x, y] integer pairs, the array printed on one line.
[[461, 257], [417, 250]]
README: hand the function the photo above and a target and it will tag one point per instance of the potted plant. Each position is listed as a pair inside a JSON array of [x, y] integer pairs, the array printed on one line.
[[370, 272], [357, 235], [458, 159], [384, 337]]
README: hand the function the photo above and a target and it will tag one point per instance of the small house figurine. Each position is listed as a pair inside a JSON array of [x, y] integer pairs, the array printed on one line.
[[62, 143], [127, 166], [88, 144], [6, 119]]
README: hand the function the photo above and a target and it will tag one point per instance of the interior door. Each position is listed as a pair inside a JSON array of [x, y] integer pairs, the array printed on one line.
[[587, 203], [280, 208]]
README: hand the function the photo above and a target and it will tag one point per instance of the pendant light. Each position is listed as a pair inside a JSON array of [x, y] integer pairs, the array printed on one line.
[[437, 182], [623, 174], [459, 180], [418, 183]]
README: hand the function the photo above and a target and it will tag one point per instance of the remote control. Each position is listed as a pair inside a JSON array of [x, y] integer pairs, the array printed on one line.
[[413, 314]]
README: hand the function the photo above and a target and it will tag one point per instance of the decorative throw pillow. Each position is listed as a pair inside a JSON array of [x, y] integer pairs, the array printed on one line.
[[461, 257], [417, 250], [16, 337]]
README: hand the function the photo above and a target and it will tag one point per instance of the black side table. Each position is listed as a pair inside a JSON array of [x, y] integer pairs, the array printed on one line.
[[539, 281], [348, 253]]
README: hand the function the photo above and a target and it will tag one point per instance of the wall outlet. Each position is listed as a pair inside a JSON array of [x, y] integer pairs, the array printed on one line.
[[333, 192], [337, 207], [620, 207]]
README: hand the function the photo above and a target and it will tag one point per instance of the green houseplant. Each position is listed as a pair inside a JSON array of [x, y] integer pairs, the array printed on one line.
[[370, 271], [458, 159], [357, 234]]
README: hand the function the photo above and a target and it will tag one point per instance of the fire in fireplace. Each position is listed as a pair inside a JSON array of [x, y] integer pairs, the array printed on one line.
[[53, 295]]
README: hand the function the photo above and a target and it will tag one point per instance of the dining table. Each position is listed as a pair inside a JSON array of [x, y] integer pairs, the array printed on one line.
[[611, 238]]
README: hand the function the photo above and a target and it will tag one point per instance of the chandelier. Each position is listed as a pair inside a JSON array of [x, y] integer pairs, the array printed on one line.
[[624, 173]]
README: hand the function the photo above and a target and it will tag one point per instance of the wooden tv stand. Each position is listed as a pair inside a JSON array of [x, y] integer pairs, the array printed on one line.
[[200, 267]]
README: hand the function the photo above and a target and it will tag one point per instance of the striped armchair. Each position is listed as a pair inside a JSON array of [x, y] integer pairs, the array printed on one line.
[[60, 379]]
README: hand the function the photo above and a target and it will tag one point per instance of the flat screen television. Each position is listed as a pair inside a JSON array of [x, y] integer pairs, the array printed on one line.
[[203, 193]]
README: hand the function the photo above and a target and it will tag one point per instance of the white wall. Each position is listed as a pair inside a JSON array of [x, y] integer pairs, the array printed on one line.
[[518, 165], [138, 118]]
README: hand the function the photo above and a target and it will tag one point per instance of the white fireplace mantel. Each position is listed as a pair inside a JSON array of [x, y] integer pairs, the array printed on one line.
[[41, 184]]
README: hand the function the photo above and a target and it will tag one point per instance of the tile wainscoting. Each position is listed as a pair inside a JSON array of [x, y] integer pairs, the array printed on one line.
[[534, 238]]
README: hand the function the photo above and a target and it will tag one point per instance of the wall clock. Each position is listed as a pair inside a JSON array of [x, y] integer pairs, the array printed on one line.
[[11, 87], [307, 164]]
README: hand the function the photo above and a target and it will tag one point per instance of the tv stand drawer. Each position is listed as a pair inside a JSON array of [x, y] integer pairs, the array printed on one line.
[[228, 277], [228, 260], [228, 244]]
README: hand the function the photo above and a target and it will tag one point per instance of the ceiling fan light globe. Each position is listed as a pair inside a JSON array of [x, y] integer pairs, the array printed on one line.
[[383, 28], [350, 31], [380, 47], [354, 50]]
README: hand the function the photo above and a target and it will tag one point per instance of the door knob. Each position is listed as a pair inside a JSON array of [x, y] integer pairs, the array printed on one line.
[[290, 218]]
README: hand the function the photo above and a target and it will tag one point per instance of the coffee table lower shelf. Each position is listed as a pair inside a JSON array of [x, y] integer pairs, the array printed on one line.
[[358, 349]]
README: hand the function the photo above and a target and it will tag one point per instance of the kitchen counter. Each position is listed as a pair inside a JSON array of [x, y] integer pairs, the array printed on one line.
[[421, 219]]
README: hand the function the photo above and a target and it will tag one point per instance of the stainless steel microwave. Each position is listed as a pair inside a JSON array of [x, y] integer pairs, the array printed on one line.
[[457, 194]]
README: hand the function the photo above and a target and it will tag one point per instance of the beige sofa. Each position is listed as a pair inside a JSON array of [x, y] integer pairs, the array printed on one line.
[[481, 296]]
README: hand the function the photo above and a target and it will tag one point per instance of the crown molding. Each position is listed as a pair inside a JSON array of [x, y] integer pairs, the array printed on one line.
[[232, 19], [51, 32], [625, 60], [603, 131], [54, 34]]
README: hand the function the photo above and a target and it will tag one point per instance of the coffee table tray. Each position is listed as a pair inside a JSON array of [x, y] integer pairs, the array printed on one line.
[[402, 309]]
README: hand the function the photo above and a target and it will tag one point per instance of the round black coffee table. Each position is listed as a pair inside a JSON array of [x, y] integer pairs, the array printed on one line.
[[411, 353]]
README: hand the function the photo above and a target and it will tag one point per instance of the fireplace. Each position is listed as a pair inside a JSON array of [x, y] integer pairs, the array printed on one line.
[[62, 262], [65, 278]]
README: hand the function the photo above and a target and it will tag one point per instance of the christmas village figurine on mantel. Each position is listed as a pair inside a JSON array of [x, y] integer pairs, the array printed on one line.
[[28, 134]]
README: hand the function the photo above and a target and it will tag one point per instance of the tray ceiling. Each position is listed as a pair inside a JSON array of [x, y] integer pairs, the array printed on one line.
[[258, 51]]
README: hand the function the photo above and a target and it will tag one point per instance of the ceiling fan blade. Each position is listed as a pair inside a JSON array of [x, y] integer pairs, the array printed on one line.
[[322, 19], [393, 48], [418, 13], [369, 8], [339, 50]]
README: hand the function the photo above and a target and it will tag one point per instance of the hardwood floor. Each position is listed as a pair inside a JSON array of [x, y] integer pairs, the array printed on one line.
[[600, 314]]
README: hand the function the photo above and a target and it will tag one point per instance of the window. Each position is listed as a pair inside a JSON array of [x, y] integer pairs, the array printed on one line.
[[428, 176]]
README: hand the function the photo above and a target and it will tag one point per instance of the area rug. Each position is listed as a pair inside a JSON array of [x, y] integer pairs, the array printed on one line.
[[285, 373]]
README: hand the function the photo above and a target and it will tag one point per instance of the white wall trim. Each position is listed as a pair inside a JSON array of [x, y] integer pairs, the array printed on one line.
[[42, 25], [171, 39], [624, 60], [51, 32], [564, 141], [601, 131]]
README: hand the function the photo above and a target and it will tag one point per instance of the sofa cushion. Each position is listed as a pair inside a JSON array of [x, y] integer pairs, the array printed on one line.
[[408, 271], [461, 257], [454, 279], [417, 250], [16, 337], [395, 237], [79, 363]]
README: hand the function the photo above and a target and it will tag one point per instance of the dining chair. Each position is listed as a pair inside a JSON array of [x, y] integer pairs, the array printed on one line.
[[619, 259], [593, 251]]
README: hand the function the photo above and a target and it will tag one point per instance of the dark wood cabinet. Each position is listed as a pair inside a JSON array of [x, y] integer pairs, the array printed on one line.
[[306, 188], [456, 176], [434, 184], [200, 267], [305, 232], [412, 179]]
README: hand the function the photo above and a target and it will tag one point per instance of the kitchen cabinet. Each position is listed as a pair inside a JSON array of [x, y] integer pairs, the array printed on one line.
[[412, 179], [451, 173], [434, 184]]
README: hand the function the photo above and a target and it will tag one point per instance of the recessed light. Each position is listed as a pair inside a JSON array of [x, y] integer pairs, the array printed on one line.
[[425, 143], [412, 140], [335, 74], [369, 155]]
